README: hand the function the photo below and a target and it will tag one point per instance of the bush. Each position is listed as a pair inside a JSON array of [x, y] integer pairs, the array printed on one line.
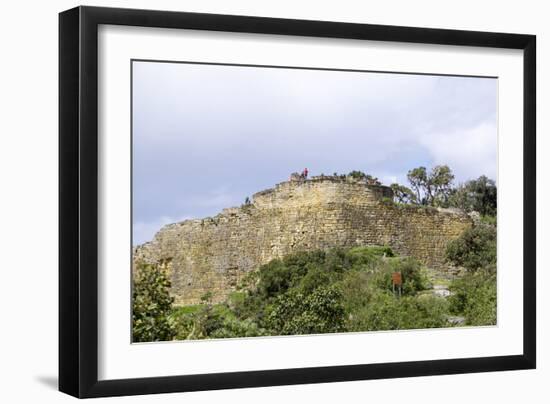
[[384, 311], [278, 276], [304, 272], [413, 276], [476, 248], [295, 313], [232, 327], [475, 297], [151, 305]]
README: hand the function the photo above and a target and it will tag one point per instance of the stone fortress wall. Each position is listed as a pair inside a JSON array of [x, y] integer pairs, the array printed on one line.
[[214, 253]]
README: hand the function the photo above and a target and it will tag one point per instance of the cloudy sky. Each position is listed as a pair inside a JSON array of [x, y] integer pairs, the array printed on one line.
[[206, 137]]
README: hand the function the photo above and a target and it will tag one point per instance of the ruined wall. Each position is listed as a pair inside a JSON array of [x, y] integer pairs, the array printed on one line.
[[213, 254]]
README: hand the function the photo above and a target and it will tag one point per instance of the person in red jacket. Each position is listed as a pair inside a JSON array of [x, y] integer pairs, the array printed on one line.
[[304, 173]]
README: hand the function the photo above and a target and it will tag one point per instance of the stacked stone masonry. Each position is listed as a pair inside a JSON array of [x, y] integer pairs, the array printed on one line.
[[213, 254]]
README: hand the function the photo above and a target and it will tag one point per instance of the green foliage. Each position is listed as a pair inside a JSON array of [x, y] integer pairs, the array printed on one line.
[[402, 194], [431, 188], [279, 275], [435, 188], [412, 274], [475, 297], [324, 291], [440, 185], [476, 195], [490, 220], [185, 310], [357, 174], [418, 178], [320, 311], [475, 248], [384, 311], [151, 305], [360, 175], [232, 327]]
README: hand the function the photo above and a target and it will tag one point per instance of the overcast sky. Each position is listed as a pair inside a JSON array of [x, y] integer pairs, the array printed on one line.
[[206, 137]]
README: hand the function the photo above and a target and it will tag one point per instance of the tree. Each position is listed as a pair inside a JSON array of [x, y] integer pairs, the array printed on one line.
[[441, 180], [432, 188], [478, 195], [151, 304], [418, 178], [403, 194]]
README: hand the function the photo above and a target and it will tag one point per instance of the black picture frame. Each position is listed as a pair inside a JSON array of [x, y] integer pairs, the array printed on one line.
[[78, 201]]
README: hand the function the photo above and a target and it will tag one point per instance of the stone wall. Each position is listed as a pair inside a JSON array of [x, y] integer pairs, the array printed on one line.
[[214, 253]]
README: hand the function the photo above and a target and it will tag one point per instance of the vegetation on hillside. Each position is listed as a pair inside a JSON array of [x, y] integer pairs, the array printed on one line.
[[474, 294], [337, 290], [151, 305], [436, 188], [317, 292]]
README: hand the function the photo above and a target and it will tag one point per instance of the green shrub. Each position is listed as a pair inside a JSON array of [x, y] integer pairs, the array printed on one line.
[[357, 174], [488, 219], [279, 275], [474, 296], [476, 248], [151, 305], [295, 313], [232, 327], [384, 311], [413, 275]]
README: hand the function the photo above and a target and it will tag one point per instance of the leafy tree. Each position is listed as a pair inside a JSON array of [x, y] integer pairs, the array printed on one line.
[[431, 188], [441, 179], [403, 194], [418, 178], [478, 195], [151, 304], [476, 248]]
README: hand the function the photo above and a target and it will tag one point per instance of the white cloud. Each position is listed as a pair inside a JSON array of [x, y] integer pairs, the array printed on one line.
[[469, 152]]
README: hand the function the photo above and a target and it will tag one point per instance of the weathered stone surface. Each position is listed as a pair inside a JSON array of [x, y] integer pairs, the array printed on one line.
[[214, 253]]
